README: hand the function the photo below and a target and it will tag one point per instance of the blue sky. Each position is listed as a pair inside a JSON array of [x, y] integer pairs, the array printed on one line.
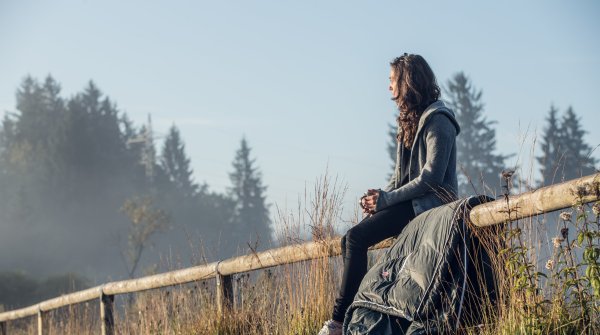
[[305, 81]]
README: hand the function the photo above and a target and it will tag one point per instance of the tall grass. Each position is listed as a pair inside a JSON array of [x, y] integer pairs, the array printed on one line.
[[555, 292], [289, 299], [560, 296]]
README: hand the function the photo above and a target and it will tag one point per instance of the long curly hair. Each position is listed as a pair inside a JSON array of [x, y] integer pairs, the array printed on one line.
[[417, 89]]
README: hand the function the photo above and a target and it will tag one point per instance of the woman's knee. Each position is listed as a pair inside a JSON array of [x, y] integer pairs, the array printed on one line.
[[354, 239]]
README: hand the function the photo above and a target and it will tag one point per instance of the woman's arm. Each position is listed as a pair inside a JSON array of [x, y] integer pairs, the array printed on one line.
[[392, 183], [394, 177], [440, 137]]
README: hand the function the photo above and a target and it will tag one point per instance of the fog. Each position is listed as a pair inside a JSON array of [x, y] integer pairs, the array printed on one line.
[[68, 166]]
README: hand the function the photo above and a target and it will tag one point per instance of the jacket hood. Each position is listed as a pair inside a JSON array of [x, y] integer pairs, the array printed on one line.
[[434, 108]]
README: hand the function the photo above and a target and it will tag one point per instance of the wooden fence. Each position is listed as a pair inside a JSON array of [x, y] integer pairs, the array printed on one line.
[[543, 200]]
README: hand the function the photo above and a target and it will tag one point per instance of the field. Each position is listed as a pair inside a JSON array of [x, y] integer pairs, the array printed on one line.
[[547, 277]]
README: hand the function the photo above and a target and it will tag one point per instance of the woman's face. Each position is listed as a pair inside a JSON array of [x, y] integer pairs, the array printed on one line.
[[393, 83]]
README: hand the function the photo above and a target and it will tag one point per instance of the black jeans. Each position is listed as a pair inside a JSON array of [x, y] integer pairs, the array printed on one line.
[[355, 244]]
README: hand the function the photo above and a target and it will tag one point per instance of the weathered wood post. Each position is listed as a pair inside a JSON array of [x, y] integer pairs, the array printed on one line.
[[224, 294], [3, 328], [40, 321], [107, 321]]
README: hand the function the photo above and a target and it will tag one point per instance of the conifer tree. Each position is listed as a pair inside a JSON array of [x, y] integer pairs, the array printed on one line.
[[565, 154], [479, 167], [551, 149], [38, 131], [97, 141], [64, 166], [176, 164], [578, 159], [251, 219]]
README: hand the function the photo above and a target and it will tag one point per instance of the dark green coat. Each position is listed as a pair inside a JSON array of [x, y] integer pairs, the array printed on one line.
[[419, 285]]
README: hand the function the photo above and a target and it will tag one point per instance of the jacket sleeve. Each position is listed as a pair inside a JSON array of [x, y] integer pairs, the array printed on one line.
[[390, 185], [440, 137], [393, 179]]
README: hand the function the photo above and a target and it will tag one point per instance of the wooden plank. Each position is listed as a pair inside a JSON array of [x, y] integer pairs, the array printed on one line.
[[286, 255], [65, 300], [543, 200], [107, 320], [224, 294], [3, 328], [261, 260], [161, 280], [40, 322], [71, 299], [20, 313], [280, 256]]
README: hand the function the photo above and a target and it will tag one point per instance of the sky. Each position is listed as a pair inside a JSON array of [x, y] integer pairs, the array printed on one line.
[[306, 82]]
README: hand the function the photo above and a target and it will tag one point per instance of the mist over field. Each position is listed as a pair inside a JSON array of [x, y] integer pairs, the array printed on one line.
[[87, 197], [177, 135]]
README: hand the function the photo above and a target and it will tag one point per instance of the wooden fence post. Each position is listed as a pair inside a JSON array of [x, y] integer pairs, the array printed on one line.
[[40, 322], [224, 294], [107, 321], [3, 330]]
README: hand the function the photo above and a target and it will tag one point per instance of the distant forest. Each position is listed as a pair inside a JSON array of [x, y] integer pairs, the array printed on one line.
[[83, 188]]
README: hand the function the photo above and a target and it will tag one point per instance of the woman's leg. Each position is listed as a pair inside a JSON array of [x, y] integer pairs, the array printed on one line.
[[376, 228]]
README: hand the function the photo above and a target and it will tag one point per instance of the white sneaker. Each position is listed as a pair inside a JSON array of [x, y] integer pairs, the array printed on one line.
[[331, 327]]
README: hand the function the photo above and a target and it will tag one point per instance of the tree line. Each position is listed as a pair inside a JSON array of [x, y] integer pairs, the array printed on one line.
[[79, 191]]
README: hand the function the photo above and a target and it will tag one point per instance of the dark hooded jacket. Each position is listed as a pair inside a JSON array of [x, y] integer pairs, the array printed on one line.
[[432, 177]]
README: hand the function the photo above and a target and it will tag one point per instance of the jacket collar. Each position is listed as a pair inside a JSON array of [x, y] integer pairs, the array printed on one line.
[[434, 108]]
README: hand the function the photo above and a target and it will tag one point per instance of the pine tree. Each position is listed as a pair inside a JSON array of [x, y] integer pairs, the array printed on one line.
[[251, 218], [578, 159], [7, 129], [39, 127], [65, 166], [479, 167], [176, 164], [565, 155], [97, 141], [551, 149], [577, 154]]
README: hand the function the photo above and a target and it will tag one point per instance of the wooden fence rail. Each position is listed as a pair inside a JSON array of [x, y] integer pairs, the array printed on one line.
[[543, 200]]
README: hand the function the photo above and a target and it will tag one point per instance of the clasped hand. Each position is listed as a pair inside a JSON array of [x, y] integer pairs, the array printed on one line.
[[368, 201]]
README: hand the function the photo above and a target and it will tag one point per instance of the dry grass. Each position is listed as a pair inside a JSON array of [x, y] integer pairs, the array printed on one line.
[[297, 298], [289, 299]]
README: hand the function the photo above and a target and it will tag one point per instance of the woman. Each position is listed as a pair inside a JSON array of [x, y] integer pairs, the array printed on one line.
[[424, 177]]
